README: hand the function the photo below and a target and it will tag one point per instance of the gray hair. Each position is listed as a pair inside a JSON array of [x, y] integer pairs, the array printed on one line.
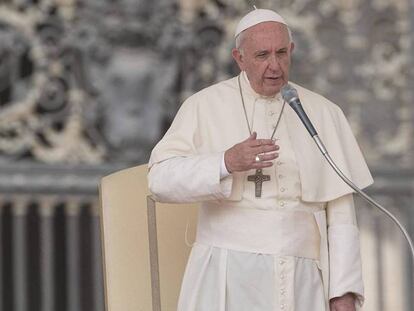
[[240, 38]]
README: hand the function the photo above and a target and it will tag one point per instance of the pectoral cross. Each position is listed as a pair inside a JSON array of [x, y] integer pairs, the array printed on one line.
[[258, 180]]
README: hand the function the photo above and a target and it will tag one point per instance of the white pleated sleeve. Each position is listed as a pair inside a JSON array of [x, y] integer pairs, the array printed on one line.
[[189, 179], [345, 268]]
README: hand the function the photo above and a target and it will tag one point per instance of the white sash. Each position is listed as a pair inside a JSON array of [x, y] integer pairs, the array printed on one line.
[[277, 232]]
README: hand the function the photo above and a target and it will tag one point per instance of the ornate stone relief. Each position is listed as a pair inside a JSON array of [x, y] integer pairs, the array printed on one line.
[[99, 81], [46, 98]]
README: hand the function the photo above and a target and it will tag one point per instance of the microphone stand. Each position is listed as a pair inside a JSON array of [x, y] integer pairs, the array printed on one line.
[[366, 197]]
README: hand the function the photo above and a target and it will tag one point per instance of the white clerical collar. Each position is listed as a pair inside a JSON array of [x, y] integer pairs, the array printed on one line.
[[247, 88]]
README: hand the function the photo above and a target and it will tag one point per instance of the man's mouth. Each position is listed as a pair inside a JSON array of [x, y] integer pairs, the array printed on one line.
[[273, 78]]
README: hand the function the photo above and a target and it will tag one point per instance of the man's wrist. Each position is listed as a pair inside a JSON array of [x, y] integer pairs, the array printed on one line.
[[346, 302]]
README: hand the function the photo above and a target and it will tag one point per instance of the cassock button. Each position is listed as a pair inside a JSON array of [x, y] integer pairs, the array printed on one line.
[[281, 176], [282, 276], [282, 306], [279, 162], [282, 189], [282, 204], [271, 113]]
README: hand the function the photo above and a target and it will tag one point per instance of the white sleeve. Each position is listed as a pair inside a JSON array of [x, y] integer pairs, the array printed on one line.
[[223, 169], [189, 179], [345, 268]]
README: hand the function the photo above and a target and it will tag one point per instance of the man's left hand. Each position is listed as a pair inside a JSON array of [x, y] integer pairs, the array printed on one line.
[[343, 303]]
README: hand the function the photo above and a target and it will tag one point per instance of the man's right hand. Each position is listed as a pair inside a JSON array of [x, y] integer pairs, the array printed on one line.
[[242, 156]]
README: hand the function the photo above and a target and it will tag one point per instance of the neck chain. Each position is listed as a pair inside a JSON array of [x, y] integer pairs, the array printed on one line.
[[245, 113], [258, 178]]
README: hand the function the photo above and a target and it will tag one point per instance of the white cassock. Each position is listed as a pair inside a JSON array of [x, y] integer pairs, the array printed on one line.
[[269, 253]]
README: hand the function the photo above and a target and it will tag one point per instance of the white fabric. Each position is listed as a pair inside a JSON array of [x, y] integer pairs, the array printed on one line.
[[300, 278], [199, 130], [237, 228], [224, 280], [223, 169], [258, 16], [185, 167], [206, 184]]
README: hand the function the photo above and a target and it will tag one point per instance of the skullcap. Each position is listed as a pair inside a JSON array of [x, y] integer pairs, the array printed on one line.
[[258, 16]]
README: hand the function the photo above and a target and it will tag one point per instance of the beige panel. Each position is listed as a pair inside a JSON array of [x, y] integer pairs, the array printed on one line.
[[173, 251], [126, 248]]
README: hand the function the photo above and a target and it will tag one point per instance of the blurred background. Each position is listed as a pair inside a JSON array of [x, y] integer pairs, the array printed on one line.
[[88, 87]]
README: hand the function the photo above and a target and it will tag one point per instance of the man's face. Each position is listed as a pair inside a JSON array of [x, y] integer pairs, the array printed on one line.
[[264, 55]]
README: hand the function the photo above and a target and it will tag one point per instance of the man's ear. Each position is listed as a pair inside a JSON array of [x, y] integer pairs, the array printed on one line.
[[238, 57], [292, 47]]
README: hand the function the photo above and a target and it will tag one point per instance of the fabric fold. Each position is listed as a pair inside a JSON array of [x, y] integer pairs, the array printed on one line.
[[192, 281], [323, 263]]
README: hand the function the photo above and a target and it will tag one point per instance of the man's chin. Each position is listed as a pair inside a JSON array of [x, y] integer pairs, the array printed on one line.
[[272, 90], [272, 87]]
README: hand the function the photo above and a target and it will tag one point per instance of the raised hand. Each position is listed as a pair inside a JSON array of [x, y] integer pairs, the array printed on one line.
[[242, 156]]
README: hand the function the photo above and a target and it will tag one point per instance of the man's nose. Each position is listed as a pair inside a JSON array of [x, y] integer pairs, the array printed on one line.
[[274, 62]]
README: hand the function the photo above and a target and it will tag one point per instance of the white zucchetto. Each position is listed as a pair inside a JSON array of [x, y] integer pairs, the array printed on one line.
[[258, 16]]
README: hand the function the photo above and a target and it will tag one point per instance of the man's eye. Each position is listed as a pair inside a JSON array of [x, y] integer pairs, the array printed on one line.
[[263, 55]]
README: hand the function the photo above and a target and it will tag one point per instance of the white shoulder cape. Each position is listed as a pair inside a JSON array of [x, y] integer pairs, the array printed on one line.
[[212, 121]]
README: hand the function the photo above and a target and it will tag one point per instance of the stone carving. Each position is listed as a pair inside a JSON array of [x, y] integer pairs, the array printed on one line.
[[46, 95], [99, 81]]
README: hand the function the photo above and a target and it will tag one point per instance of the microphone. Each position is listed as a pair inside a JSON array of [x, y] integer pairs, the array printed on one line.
[[290, 95]]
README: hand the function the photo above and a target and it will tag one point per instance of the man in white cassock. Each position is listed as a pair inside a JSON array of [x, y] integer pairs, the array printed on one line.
[[277, 228]]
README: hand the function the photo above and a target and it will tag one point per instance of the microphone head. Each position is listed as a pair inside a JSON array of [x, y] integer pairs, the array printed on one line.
[[288, 93]]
